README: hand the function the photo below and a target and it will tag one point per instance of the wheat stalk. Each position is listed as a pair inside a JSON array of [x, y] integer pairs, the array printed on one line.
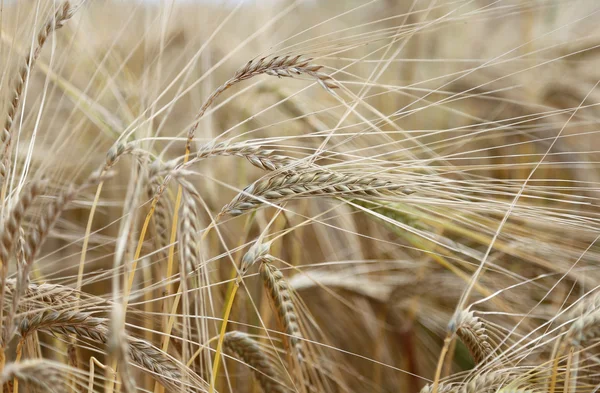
[[280, 294], [248, 350], [282, 187]]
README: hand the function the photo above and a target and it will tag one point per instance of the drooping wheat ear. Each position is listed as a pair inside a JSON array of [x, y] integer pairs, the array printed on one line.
[[248, 350], [120, 149], [55, 22], [286, 66], [281, 296], [162, 212], [255, 254], [584, 329], [472, 332], [190, 230], [51, 215], [45, 374], [10, 231], [485, 383], [282, 187], [53, 296], [488, 382], [265, 159], [66, 321], [81, 324], [442, 388], [13, 222]]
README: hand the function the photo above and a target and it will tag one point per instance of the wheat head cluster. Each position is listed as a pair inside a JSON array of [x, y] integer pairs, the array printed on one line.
[[296, 196]]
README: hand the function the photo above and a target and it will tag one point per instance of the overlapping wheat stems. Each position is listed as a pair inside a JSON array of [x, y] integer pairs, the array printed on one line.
[[281, 295], [248, 350], [10, 232], [285, 186], [63, 13]]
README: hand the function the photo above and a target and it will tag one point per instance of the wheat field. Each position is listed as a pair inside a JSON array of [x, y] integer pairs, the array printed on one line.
[[300, 196]]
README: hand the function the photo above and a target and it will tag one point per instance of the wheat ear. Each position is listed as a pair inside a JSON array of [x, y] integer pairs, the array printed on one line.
[[248, 350], [84, 325], [286, 66], [258, 156], [280, 294], [44, 374], [472, 333], [11, 228], [282, 187], [190, 239], [54, 22], [51, 215]]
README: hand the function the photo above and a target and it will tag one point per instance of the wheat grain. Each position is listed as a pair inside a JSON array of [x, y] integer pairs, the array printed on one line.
[[248, 350]]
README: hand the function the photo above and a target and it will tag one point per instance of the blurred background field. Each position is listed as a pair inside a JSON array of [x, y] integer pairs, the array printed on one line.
[[484, 112]]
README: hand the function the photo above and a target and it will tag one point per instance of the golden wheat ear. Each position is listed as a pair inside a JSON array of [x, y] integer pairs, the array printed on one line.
[[248, 350]]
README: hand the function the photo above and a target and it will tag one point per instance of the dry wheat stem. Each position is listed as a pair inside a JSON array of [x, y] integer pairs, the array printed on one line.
[[55, 22], [281, 296], [282, 187], [248, 350]]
